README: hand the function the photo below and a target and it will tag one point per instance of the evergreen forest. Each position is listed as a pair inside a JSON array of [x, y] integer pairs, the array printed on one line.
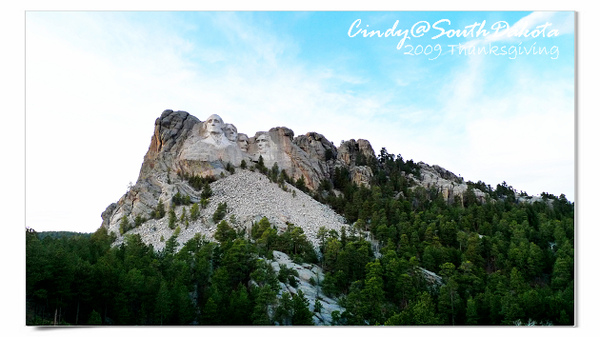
[[500, 261]]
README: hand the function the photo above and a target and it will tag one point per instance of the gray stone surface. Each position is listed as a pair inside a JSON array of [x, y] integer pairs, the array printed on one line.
[[306, 272], [447, 183], [348, 155], [183, 145], [250, 196]]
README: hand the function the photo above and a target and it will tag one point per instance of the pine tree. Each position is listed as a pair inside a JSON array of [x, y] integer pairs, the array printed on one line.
[[206, 191], [373, 294], [284, 312], [210, 315], [163, 304], [172, 218], [159, 212], [220, 212], [239, 305], [224, 232], [472, 317], [261, 164], [318, 306], [183, 216], [265, 297], [139, 220], [301, 184], [124, 225], [194, 212], [95, 318]]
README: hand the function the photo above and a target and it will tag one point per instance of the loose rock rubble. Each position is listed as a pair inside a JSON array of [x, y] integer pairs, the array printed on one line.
[[250, 196], [183, 146]]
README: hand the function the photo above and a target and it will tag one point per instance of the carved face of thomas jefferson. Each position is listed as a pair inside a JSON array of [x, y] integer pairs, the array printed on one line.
[[231, 132]]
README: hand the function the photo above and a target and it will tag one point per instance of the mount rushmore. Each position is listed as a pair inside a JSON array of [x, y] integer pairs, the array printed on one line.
[[183, 146]]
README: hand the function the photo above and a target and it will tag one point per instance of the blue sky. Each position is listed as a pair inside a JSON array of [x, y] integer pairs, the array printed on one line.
[[96, 81]]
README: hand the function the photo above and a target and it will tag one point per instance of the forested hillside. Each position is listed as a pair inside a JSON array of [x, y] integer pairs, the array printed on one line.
[[501, 262]]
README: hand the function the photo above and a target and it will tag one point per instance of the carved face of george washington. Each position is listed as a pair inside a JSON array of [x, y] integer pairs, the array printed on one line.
[[214, 124]]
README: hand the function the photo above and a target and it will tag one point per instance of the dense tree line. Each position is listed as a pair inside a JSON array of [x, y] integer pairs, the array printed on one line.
[[82, 280], [499, 262]]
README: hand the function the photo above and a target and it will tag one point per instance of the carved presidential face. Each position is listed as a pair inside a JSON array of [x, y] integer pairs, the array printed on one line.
[[243, 142], [262, 142], [231, 132], [214, 124]]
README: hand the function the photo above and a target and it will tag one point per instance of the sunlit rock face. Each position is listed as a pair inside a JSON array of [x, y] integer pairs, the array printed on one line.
[[451, 187], [278, 145], [356, 155], [183, 146], [208, 146]]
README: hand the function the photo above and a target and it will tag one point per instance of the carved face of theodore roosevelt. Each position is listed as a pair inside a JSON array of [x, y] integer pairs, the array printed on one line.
[[243, 142]]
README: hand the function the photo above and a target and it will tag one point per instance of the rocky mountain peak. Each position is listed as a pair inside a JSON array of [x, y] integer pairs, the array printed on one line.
[[182, 146]]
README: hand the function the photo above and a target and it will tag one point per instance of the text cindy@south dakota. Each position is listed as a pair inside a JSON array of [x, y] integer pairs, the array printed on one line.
[[482, 41]]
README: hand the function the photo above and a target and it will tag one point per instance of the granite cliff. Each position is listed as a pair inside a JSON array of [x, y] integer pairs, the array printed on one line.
[[184, 151], [182, 146]]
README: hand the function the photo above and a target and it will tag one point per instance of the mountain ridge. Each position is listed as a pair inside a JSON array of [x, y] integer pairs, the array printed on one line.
[[298, 231], [183, 147]]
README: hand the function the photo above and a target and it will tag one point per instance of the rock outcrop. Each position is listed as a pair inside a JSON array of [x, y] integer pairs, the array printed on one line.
[[452, 187], [182, 146], [309, 278], [356, 155], [249, 196]]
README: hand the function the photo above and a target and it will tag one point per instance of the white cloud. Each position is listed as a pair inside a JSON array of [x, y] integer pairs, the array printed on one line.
[[95, 89], [93, 95], [523, 135], [509, 121], [562, 22]]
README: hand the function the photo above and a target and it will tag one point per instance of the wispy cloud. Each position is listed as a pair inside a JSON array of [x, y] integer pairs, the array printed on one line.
[[544, 23], [97, 81], [94, 90], [512, 119]]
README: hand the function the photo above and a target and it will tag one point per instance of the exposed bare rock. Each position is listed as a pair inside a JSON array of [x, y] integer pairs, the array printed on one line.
[[311, 289], [354, 152], [250, 196], [361, 175], [277, 146], [431, 277], [171, 130], [447, 183], [106, 215], [320, 151], [182, 145], [356, 155], [317, 147]]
